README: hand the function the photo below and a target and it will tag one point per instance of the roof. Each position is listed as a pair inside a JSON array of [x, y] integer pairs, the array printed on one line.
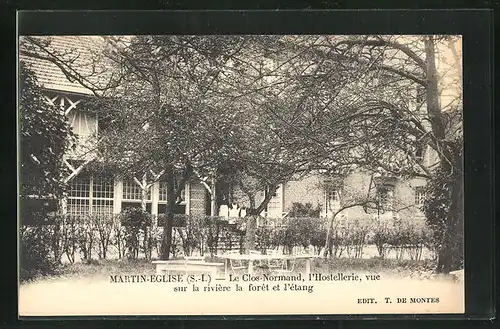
[[84, 54]]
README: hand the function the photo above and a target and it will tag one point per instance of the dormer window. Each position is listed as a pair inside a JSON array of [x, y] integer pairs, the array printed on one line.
[[420, 95], [332, 196], [419, 196], [385, 197], [384, 193], [419, 152]]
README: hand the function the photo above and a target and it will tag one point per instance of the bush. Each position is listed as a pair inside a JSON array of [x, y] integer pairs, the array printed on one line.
[[191, 234], [293, 232], [408, 236], [382, 235], [266, 238], [118, 237], [180, 220], [35, 252], [104, 226], [70, 232], [299, 232], [136, 222], [348, 235], [304, 210], [86, 237], [213, 230]]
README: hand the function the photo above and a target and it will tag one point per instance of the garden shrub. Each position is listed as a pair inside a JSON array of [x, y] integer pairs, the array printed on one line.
[[349, 235], [70, 232], [213, 228], [35, 252], [118, 236], [179, 220], [410, 236], [267, 237], [382, 235], [190, 234], [136, 222], [357, 230], [86, 238], [318, 237], [104, 227], [294, 231], [304, 210], [55, 232]]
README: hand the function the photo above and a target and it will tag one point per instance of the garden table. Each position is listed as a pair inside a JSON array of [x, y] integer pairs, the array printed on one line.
[[251, 258], [187, 266]]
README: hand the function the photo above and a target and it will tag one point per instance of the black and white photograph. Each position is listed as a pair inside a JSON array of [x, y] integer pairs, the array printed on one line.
[[240, 174]]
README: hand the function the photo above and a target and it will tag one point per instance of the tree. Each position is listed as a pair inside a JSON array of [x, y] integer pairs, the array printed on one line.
[[200, 104], [166, 121], [45, 137], [437, 207], [383, 122]]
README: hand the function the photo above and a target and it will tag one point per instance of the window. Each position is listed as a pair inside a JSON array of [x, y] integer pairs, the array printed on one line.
[[82, 123], [132, 191], [128, 205], [102, 195], [385, 197], [78, 207], [90, 195], [79, 187], [102, 188], [419, 195], [163, 191], [332, 201], [420, 95], [79, 196], [132, 195], [179, 209], [419, 152], [102, 207], [332, 195]]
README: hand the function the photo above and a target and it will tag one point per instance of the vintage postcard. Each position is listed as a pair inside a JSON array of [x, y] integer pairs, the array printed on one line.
[[240, 175]]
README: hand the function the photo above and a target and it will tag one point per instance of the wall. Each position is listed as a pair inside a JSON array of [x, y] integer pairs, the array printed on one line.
[[356, 187], [196, 198], [306, 190]]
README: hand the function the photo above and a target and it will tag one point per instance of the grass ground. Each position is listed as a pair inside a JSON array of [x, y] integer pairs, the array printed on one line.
[[102, 269]]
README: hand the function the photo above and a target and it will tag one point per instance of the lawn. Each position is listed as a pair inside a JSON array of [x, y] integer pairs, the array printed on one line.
[[102, 269]]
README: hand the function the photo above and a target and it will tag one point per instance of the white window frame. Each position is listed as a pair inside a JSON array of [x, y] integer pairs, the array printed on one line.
[[419, 195], [162, 191], [93, 202]]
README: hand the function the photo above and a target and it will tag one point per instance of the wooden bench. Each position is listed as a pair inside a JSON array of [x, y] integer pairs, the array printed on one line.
[[187, 266]]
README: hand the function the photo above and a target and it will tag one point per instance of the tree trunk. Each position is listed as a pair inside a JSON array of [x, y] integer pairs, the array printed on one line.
[[213, 199], [144, 193], [144, 197], [328, 241], [251, 227], [450, 254], [432, 92], [250, 233], [166, 244]]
